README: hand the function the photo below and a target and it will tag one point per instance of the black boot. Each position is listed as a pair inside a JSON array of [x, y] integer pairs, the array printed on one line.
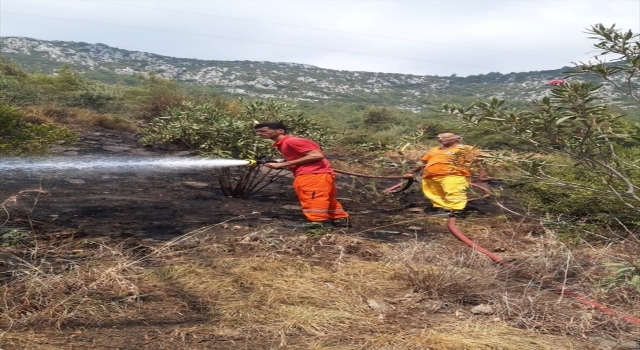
[[344, 222]]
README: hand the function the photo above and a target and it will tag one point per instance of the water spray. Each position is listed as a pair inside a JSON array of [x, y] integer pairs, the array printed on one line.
[[155, 164], [106, 164]]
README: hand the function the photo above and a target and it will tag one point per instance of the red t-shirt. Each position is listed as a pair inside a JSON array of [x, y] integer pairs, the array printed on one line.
[[293, 148]]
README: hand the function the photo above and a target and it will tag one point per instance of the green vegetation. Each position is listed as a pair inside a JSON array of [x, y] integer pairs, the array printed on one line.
[[14, 237], [587, 155], [224, 129], [18, 137], [623, 274]]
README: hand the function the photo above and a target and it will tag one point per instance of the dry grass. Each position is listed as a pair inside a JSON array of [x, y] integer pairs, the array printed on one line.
[[579, 268], [269, 290], [76, 118], [471, 336], [447, 275], [50, 287]]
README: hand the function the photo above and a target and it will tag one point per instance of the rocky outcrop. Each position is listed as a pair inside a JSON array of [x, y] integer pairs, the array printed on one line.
[[292, 81]]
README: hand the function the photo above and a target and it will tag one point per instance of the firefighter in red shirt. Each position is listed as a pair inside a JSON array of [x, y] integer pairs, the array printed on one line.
[[314, 179]]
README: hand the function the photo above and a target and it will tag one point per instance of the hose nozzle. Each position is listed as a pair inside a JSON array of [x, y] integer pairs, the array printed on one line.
[[261, 161]]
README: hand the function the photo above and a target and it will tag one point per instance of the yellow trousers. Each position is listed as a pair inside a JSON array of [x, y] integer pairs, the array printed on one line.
[[317, 196], [449, 192]]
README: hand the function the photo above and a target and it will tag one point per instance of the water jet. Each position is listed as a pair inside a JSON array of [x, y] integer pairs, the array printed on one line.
[[112, 164]]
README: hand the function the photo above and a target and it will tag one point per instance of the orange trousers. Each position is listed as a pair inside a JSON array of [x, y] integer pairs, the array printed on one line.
[[317, 195], [449, 192]]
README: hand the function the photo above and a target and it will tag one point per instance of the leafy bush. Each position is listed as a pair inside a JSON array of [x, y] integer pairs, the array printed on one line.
[[623, 274], [9, 117], [364, 143], [153, 97], [65, 89], [216, 129], [575, 191], [15, 85], [20, 137], [379, 118], [29, 138]]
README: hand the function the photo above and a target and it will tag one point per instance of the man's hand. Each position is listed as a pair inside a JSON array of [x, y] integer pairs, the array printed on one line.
[[413, 171], [277, 165]]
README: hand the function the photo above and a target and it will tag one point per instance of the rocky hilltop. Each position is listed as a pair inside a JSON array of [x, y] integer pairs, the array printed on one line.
[[291, 81]]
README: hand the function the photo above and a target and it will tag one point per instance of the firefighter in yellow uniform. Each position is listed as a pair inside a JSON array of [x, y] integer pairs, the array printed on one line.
[[446, 174]]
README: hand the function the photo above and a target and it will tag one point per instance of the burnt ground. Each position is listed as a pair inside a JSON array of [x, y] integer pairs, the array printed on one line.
[[162, 204]]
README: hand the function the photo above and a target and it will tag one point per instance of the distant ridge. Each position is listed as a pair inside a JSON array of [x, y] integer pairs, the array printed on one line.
[[290, 81]]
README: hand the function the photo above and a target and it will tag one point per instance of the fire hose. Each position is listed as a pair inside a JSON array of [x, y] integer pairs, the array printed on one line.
[[556, 288], [393, 189], [401, 186]]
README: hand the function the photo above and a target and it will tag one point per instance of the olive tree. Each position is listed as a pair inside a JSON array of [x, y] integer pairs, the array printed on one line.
[[591, 150]]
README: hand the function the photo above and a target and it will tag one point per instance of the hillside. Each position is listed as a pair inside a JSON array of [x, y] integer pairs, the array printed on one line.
[[278, 80]]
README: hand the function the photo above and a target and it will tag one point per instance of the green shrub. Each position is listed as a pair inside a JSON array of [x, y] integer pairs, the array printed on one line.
[[216, 129], [18, 137], [9, 117], [31, 138], [13, 237], [65, 89], [573, 191], [15, 86], [624, 274], [152, 98], [379, 118], [364, 143]]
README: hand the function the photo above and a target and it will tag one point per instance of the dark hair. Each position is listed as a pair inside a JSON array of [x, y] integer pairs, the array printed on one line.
[[271, 125]]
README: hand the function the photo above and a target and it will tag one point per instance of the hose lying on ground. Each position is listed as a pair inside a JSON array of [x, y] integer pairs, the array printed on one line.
[[558, 289], [393, 189]]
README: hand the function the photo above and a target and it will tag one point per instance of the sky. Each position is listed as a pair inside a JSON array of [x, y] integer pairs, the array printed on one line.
[[420, 37]]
